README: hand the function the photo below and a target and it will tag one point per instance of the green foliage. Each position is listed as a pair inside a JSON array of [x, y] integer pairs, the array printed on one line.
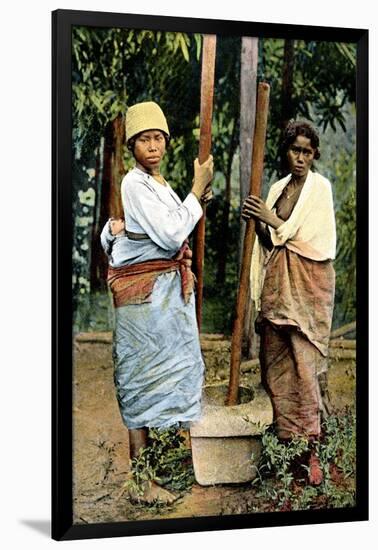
[[345, 265], [324, 90], [277, 459], [113, 68], [283, 467], [166, 460], [319, 94], [271, 67], [94, 311], [225, 127], [339, 445], [219, 299], [83, 219], [339, 449]]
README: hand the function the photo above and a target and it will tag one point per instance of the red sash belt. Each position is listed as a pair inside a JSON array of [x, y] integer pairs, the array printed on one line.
[[133, 284]]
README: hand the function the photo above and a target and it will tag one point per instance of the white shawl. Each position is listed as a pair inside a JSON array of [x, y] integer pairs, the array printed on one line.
[[310, 230]]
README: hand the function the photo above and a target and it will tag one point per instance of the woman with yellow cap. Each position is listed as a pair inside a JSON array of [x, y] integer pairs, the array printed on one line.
[[157, 358]]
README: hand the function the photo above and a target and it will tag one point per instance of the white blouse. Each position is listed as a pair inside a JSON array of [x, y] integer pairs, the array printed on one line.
[[156, 210]]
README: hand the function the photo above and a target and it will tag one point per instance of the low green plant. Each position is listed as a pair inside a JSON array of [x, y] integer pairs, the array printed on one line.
[[279, 477], [165, 460], [338, 448], [339, 443], [276, 460]]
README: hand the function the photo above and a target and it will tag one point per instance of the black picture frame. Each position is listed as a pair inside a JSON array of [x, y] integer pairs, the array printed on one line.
[[62, 335]]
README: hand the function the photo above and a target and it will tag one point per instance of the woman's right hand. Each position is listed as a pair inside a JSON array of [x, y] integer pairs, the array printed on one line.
[[255, 207], [203, 174]]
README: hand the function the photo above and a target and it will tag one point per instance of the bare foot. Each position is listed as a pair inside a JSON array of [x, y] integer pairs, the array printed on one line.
[[185, 434], [150, 493], [315, 475]]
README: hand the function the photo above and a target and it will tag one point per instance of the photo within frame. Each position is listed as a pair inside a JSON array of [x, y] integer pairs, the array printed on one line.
[[210, 351]]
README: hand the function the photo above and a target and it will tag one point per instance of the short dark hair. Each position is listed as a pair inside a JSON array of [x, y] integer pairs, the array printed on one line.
[[299, 128], [131, 143]]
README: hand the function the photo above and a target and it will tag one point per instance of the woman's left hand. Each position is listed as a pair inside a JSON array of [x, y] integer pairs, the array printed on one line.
[[207, 195]]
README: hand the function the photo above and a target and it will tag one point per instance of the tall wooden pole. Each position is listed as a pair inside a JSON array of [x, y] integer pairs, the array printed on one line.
[[206, 113], [249, 239]]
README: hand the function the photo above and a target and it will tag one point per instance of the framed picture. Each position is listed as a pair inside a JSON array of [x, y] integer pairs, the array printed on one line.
[[234, 404]]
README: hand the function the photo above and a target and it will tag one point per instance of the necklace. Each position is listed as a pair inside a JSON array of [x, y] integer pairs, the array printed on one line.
[[291, 189]]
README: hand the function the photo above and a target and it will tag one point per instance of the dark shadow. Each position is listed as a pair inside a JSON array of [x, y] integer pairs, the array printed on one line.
[[41, 525]]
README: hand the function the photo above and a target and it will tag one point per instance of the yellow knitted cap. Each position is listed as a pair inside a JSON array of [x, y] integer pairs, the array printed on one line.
[[145, 116]]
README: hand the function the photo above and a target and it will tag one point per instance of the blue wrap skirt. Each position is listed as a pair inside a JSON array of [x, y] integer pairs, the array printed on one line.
[[158, 366]]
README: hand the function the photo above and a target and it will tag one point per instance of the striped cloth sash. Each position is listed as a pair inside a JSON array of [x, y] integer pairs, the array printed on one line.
[[133, 284]]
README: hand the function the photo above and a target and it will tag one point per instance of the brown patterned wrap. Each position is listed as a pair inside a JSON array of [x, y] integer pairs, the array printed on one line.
[[289, 367], [300, 292]]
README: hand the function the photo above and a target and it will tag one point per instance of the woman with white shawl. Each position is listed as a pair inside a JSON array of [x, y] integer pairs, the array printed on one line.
[[293, 284]]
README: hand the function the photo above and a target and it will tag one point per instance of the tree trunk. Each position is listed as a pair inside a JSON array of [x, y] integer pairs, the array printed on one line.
[[117, 168], [248, 77], [287, 107], [223, 243], [96, 250], [110, 194]]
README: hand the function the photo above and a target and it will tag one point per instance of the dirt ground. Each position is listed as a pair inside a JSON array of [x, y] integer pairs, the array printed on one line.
[[100, 461]]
